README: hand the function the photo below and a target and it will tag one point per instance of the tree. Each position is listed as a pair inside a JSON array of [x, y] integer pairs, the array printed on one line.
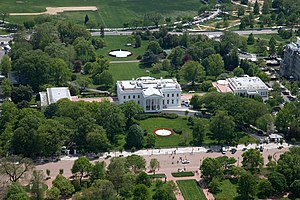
[[97, 140], [222, 126], [86, 19], [15, 192], [278, 182], [265, 122], [116, 171], [154, 47], [241, 11], [193, 71], [272, 45], [149, 58], [256, 8], [165, 191], [138, 41], [37, 190], [238, 72], [106, 78], [266, 7], [3, 16], [6, 87], [5, 65], [143, 178], [265, 189], [251, 39], [141, 192], [15, 167], [136, 163], [130, 110], [295, 188], [247, 186], [59, 72], [134, 137], [211, 168], [81, 166], [252, 159], [64, 185], [60, 50], [215, 65], [199, 131], [176, 57], [53, 193], [154, 165], [98, 171], [85, 51], [214, 185], [102, 31], [232, 60], [21, 93]]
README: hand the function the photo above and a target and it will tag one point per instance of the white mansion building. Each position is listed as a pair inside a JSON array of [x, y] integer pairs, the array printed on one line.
[[243, 86], [152, 94]]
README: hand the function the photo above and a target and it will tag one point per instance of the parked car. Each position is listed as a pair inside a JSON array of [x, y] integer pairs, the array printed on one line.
[[209, 151], [233, 151], [185, 161]]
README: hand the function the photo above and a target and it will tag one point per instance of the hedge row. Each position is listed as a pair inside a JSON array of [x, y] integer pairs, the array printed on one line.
[[163, 115]]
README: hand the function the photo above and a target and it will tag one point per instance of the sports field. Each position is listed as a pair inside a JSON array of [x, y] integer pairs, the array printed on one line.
[[110, 13]]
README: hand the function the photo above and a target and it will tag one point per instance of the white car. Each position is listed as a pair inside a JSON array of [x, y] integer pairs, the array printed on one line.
[[185, 162]]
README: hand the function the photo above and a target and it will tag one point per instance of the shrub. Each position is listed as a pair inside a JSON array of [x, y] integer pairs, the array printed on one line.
[[163, 115], [178, 131]]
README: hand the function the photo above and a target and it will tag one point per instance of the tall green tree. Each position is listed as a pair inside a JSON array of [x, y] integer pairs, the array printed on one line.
[[272, 45], [215, 65], [278, 182], [251, 39], [116, 171], [59, 72], [85, 51], [136, 163], [256, 8], [81, 166], [247, 186], [266, 7], [141, 192], [211, 168], [98, 171], [199, 131], [37, 181], [252, 160], [15, 192], [134, 137], [5, 65], [64, 185], [154, 165], [193, 71], [130, 110], [6, 88], [222, 126]]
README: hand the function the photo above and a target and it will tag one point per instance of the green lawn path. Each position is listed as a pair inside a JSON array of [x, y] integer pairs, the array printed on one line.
[[190, 190]]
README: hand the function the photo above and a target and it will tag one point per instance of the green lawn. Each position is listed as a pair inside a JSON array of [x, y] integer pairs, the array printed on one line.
[[190, 190], [182, 174], [228, 190], [119, 42], [111, 13], [127, 71], [172, 140]]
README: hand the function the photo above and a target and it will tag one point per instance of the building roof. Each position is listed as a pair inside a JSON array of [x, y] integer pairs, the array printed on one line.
[[150, 91], [57, 93], [246, 83], [145, 83]]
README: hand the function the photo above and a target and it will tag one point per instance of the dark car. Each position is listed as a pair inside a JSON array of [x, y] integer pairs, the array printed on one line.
[[233, 151], [209, 151]]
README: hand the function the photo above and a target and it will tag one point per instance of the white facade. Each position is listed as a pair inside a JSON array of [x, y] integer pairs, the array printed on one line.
[[152, 94], [248, 87]]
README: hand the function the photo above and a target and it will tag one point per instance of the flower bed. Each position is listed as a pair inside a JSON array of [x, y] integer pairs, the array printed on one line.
[[163, 132]]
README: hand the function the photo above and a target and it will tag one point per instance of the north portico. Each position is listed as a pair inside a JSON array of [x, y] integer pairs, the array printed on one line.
[[152, 94]]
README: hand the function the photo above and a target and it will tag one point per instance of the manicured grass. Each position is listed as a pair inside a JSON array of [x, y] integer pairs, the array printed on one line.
[[182, 174], [127, 71], [190, 190], [119, 42], [157, 175], [228, 190], [111, 13], [169, 141], [275, 35]]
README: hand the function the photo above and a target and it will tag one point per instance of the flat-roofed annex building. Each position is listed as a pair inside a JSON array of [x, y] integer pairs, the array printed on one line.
[[52, 95], [243, 86], [152, 94]]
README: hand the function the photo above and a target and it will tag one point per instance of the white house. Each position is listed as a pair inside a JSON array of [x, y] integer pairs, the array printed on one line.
[[243, 86], [152, 94], [248, 86], [54, 94]]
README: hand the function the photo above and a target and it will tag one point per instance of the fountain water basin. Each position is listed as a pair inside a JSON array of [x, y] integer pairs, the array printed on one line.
[[120, 53], [163, 132]]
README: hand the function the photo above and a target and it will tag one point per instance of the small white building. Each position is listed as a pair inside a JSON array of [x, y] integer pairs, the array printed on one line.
[[52, 95], [152, 94], [248, 87]]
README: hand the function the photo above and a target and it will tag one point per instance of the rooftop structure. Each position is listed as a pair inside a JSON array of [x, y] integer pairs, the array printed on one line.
[[290, 65], [54, 94], [152, 94], [243, 86]]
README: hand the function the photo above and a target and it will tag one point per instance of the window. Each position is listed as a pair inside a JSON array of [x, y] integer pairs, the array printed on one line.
[[139, 102], [138, 96], [168, 101], [177, 95], [128, 96], [172, 101], [124, 97], [163, 101], [133, 96], [172, 95], [168, 95]]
